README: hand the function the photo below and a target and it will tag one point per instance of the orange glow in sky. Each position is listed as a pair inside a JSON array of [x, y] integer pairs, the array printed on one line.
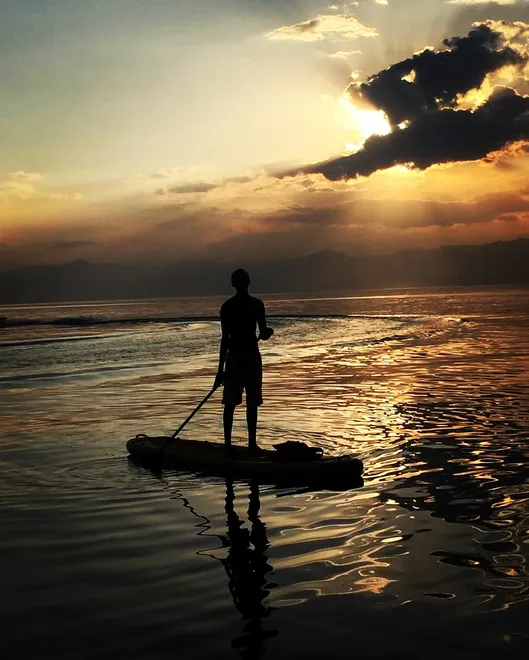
[[129, 140]]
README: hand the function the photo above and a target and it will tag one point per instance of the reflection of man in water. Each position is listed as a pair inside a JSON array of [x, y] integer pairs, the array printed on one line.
[[247, 567], [240, 366]]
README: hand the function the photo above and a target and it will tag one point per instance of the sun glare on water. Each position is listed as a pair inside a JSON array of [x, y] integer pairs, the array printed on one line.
[[365, 122]]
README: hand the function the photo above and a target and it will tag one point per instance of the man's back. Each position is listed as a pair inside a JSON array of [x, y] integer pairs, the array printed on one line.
[[240, 316], [240, 367]]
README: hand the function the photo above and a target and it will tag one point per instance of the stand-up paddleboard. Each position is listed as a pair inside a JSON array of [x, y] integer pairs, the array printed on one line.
[[269, 466]]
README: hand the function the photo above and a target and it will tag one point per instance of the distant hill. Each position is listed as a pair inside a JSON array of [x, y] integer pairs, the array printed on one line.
[[495, 263]]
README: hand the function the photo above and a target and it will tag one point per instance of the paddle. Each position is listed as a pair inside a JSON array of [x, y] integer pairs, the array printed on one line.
[[204, 400], [190, 417], [267, 334]]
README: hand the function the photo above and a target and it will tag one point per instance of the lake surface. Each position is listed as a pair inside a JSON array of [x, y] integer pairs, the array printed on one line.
[[105, 559]]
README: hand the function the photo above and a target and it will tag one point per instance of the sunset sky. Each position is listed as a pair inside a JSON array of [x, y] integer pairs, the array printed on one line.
[[167, 130]]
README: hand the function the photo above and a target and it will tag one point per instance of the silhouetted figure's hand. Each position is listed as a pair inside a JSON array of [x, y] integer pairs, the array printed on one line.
[[265, 336], [219, 379]]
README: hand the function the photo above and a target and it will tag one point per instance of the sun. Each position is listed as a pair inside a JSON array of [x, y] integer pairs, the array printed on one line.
[[364, 122]]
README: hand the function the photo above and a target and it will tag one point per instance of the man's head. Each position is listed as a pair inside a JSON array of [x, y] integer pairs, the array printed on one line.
[[240, 280]]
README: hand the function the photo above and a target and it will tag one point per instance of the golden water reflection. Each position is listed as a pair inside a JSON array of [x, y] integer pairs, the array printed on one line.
[[442, 424]]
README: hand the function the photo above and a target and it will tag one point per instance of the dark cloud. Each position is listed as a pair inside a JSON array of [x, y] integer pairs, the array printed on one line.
[[199, 187], [68, 245], [507, 217], [369, 225], [57, 245], [437, 76], [438, 136], [238, 179], [344, 220], [449, 214], [422, 91], [405, 214], [331, 217]]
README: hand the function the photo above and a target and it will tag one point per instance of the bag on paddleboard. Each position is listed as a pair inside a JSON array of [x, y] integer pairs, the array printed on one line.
[[293, 450]]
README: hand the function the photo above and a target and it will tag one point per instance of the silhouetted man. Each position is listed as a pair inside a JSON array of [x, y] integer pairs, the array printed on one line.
[[240, 366]]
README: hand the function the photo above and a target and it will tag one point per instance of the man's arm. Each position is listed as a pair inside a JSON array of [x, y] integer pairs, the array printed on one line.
[[264, 332], [219, 380]]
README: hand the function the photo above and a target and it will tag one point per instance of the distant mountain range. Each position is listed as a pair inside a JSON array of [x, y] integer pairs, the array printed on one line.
[[495, 263]]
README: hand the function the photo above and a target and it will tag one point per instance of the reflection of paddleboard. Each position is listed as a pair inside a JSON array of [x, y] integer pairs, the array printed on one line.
[[266, 467]]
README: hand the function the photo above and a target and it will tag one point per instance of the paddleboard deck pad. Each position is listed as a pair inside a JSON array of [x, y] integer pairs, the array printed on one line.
[[268, 466]]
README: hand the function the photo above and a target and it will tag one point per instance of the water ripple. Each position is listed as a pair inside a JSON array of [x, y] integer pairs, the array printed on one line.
[[132, 562]]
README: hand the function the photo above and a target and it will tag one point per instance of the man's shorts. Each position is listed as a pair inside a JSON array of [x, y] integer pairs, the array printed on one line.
[[243, 372]]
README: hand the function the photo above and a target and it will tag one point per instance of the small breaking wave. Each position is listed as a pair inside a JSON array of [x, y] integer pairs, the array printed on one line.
[[75, 373], [84, 321], [26, 332]]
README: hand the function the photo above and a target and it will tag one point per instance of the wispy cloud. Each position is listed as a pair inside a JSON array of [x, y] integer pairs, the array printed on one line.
[[25, 176], [333, 26], [22, 187], [344, 54], [189, 188], [483, 2]]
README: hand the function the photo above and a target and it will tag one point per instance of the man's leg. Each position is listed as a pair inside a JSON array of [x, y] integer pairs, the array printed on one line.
[[251, 421], [228, 423]]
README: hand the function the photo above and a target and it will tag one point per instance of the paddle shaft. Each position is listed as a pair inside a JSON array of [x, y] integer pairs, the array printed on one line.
[[185, 422], [204, 400]]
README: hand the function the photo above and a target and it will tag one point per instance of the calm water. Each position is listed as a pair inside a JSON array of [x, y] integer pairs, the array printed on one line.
[[101, 558]]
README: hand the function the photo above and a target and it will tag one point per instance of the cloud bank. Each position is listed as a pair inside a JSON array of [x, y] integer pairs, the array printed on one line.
[[438, 137], [466, 102], [421, 97]]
